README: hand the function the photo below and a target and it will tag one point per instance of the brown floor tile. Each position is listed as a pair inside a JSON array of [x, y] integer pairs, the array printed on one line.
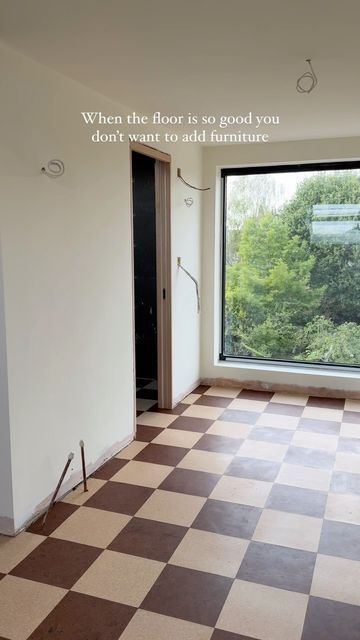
[[271, 434], [162, 454], [120, 497], [201, 388], [248, 417], [213, 401], [263, 396], [319, 426], [253, 469], [326, 403], [227, 635], [2, 575], [314, 458], [188, 594], [351, 416], [196, 483], [340, 539], [109, 469], [221, 444], [56, 516], [284, 409], [57, 562], [147, 434], [82, 617], [342, 482], [176, 411], [184, 423], [329, 620], [227, 518], [149, 539], [277, 566], [296, 500], [349, 445]]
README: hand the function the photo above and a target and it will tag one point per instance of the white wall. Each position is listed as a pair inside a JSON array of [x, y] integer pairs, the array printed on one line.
[[236, 155], [6, 501], [67, 260]]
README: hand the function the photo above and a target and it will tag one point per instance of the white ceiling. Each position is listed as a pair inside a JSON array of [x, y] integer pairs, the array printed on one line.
[[211, 56]]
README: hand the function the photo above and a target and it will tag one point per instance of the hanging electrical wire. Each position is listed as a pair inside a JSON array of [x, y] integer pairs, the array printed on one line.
[[308, 81]]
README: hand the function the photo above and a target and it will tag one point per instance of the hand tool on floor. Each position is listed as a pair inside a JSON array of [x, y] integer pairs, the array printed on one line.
[[83, 464], [70, 458]]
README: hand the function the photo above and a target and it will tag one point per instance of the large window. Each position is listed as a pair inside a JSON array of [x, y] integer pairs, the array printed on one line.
[[291, 263]]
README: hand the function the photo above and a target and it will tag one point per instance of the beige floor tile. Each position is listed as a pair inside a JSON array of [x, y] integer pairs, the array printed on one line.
[[119, 577], [304, 477], [143, 404], [191, 398], [318, 413], [177, 438], [311, 440], [223, 392], [262, 450], [349, 462], [344, 508], [290, 398], [202, 411], [288, 530], [14, 550], [205, 461], [336, 579], [144, 474], [172, 507], [242, 491], [132, 450], [262, 612], [230, 429], [352, 405], [210, 552], [146, 625], [242, 404], [24, 604], [350, 430], [79, 496], [154, 419], [91, 526], [277, 421]]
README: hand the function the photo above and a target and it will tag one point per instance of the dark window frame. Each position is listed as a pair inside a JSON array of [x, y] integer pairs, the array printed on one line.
[[262, 169]]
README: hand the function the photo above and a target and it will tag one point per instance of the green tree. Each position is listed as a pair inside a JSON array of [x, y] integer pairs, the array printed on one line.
[[322, 341], [268, 295], [336, 266]]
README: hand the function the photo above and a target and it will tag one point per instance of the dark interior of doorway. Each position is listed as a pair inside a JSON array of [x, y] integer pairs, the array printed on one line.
[[144, 233]]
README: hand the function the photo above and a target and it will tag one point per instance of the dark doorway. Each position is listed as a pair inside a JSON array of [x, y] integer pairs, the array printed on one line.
[[145, 275]]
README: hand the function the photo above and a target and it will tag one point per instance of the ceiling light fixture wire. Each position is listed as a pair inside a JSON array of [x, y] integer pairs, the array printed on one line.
[[308, 75]]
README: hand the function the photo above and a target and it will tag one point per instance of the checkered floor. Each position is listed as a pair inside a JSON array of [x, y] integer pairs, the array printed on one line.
[[235, 516]]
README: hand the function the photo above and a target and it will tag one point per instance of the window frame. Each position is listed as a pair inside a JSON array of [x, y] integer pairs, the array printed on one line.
[[338, 165]]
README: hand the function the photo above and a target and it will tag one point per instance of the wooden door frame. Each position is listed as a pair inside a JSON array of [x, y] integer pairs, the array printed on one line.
[[163, 271]]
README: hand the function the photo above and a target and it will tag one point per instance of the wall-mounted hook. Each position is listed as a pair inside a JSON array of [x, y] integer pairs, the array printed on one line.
[[187, 183], [54, 169], [189, 202]]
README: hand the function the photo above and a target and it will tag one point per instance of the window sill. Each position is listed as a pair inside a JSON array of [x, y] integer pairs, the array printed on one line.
[[295, 369]]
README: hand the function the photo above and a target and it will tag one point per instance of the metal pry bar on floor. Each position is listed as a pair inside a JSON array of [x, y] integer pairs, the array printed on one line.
[[194, 280], [81, 443], [70, 458]]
